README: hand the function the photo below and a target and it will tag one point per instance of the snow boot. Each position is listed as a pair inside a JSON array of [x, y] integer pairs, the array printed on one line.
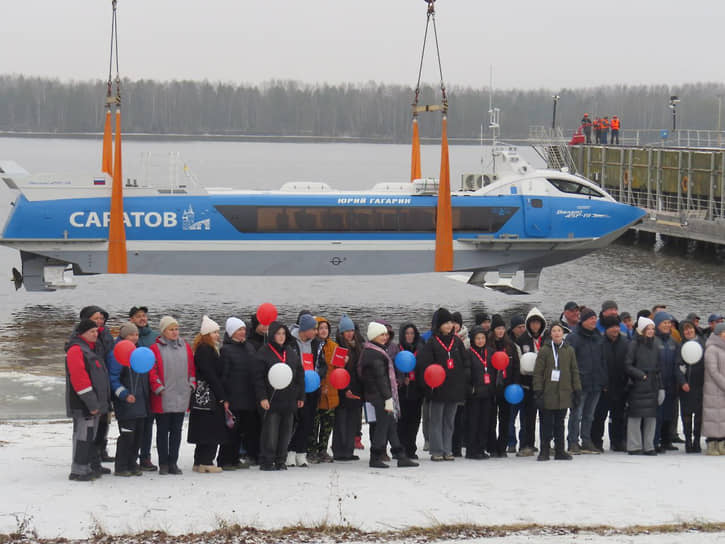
[[291, 458], [712, 448], [404, 461], [544, 453], [301, 459], [561, 455], [376, 460]]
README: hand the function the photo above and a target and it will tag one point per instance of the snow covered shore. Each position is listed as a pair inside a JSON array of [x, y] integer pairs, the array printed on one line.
[[612, 489]]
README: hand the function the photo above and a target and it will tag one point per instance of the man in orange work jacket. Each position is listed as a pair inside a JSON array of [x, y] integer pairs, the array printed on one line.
[[615, 129]]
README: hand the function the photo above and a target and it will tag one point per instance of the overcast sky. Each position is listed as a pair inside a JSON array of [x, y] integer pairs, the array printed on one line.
[[530, 43]]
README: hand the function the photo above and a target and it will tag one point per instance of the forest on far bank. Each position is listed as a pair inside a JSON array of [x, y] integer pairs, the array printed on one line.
[[375, 111]]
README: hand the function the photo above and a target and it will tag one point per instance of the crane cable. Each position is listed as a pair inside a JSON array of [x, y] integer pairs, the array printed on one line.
[[114, 48], [444, 102]]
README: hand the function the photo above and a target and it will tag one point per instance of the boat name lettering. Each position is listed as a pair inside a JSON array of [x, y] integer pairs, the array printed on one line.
[[366, 200], [573, 214], [130, 219]]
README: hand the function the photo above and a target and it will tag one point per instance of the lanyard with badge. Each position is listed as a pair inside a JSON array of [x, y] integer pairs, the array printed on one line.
[[486, 375], [449, 362], [555, 373], [282, 358]]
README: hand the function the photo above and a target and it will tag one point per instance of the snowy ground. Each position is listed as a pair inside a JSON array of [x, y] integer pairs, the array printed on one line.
[[612, 489]]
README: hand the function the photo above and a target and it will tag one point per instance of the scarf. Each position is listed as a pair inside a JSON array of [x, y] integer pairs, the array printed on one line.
[[391, 376]]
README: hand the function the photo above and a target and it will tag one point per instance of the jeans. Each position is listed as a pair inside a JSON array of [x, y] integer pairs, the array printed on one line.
[[580, 420], [168, 436], [275, 438], [442, 422]]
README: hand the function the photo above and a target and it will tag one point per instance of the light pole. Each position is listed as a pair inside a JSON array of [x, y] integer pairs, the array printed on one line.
[[553, 120], [673, 105]]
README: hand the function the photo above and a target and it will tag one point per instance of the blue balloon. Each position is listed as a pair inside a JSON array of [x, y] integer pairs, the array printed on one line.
[[405, 361], [312, 381], [142, 360], [514, 394]]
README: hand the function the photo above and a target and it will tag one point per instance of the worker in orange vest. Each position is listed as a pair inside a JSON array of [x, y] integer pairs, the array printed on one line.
[[615, 129], [605, 130]]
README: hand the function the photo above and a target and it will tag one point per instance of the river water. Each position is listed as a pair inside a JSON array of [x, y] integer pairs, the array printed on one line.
[[34, 326]]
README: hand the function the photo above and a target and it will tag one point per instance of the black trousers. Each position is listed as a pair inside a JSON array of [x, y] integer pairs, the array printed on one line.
[[229, 451], [131, 432], [101, 440], [692, 428], [204, 454], [409, 423], [601, 413], [527, 416], [618, 422], [500, 413], [168, 436], [478, 423], [459, 430], [385, 431], [275, 437], [347, 423], [305, 423], [552, 426], [146, 438]]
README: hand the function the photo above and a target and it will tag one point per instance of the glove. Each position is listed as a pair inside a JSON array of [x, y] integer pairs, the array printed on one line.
[[389, 405], [660, 397], [539, 399], [576, 399]]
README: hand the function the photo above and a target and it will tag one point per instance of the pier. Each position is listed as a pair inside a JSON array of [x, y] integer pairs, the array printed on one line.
[[682, 188]]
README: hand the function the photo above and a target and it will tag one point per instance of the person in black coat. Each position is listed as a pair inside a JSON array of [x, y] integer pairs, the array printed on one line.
[[498, 340], [410, 392], [278, 405], [207, 424], [481, 396], [239, 360], [644, 389], [377, 373], [612, 401], [445, 349], [691, 401]]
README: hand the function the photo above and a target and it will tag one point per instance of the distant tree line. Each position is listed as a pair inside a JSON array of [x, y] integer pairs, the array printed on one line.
[[375, 111]]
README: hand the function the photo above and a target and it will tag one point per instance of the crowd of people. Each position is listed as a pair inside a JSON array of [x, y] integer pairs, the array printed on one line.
[[250, 401], [601, 126]]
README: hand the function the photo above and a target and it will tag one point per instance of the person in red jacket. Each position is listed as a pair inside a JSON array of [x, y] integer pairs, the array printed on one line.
[[88, 392], [172, 379]]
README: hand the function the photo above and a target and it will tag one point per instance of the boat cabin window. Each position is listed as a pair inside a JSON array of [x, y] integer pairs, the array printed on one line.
[[573, 187], [361, 218]]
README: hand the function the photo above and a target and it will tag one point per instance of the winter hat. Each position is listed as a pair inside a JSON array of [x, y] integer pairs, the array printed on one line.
[[441, 316], [208, 326], [586, 313], [457, 318], [480, 317], [660, 317], [166, 322], [127, 329], [233, 324], [346, 324], [719, 328], [517, 320], [642, 324], [497, 321], [375, 329], [85, 325], [610, 321], [474, 331], [307, 322], [571, 305], [609, 305], [88, 311]]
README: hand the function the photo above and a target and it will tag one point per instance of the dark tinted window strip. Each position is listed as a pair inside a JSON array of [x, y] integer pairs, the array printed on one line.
[[361, 219]]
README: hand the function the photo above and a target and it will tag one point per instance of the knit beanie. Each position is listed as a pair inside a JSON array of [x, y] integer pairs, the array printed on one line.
[[375, 329], [719, 328], [660, 317], [642, 324], [166, 322], [85, 325], [307, 322], [609, 305], [127, 329], [346, 324], [208, 326], [480, 317], [441, 316], [610, 321], [517, 320], [497, 321], [586, 313], [233, 325], [457, 318]]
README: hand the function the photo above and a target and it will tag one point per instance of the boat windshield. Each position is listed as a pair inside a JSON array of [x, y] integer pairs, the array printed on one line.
[[573, 187]]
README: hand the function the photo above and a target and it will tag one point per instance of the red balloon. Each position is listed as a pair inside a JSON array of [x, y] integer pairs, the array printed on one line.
[[500, 360], [266, 313], [434, 376], [339, 378], [122, 351]]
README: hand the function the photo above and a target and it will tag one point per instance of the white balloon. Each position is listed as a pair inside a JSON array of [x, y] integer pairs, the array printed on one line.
[[280, 375], [528, 362], [691, 352]]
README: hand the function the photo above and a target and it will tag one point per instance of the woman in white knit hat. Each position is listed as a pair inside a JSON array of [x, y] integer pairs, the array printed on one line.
[[207, 426], [171, 379]]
